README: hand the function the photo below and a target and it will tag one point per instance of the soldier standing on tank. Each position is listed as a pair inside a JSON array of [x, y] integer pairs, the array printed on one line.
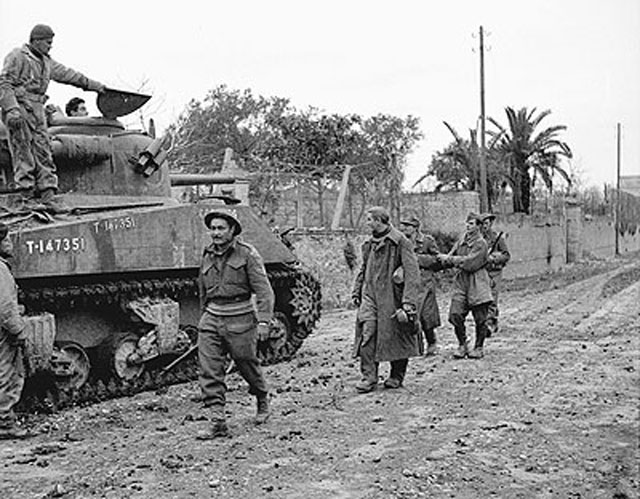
[[24, 81], [426, 251], [231, 272], [499, 256], [471, 287], [12, 338], [387, 293]]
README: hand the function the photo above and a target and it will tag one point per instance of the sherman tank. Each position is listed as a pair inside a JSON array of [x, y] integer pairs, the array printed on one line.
[[110, 287]]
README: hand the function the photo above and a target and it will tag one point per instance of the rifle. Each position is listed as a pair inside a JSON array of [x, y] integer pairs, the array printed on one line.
[[495, 243]]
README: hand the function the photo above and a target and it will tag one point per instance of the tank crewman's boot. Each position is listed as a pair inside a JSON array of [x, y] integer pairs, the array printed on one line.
[[263, 409], [51, 204]]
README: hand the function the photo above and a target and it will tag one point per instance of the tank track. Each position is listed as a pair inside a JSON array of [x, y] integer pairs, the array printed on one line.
[[42, 395]]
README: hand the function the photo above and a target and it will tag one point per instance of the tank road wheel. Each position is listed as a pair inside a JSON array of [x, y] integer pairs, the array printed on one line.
[[305, 300], [279, 331], [76, 366], [123, 367]]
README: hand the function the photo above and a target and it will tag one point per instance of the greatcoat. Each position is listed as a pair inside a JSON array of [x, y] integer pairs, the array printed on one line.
[[471, 286], [426, 251], [380, 297], [11, 325]]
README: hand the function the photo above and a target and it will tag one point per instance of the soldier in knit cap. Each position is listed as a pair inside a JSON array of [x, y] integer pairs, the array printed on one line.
[[12, 338], [24, 81]]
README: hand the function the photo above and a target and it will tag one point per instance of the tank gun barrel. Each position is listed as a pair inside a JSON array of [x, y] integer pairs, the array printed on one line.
[[200, 179]]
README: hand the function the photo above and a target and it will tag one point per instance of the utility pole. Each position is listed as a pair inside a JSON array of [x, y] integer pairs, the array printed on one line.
[[616, 225], [484, 201]]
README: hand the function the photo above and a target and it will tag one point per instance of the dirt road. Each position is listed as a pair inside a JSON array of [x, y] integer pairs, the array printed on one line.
[[551, 411]]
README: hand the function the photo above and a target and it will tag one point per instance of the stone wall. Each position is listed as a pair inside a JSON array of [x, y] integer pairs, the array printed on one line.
[[537, 244], [442, 211], [599, 238]]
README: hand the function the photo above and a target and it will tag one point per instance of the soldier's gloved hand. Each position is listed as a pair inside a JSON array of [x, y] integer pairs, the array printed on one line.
[[263, 331], [14, 119], [401, 316]]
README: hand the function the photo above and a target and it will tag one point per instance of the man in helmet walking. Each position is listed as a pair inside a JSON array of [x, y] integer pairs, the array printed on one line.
[[230, 273], [24, 81]]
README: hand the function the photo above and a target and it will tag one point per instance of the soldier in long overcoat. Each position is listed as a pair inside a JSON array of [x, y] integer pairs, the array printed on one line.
[[12, 338], [24, 81], [471, 287], [426, 250], [498, 258], [387, 292]]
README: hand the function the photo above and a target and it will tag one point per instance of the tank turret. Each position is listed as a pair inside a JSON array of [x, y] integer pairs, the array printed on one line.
[[110, 288]]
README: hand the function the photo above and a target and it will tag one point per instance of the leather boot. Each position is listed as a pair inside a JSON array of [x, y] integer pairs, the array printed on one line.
[[9, 429], [218, 429], [51, 204], [476, 353], [432, 349], [263, 410], [463, 351]]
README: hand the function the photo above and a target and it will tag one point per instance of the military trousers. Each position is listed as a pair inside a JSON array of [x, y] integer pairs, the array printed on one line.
[[11, 375], [367, 352], [458, 313], [33, 168], [220, 337]]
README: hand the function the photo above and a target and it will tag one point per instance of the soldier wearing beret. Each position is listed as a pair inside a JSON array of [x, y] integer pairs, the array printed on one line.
[[12, 338], [426, 251], [230, 273], [499, 256], [24, 81], [471, 287]]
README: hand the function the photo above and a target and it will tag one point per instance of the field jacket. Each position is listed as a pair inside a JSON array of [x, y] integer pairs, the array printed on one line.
[[234, 277], [26, 75]]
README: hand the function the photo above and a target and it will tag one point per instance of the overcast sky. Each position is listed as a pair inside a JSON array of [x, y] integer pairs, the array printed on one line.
[[578, 58]]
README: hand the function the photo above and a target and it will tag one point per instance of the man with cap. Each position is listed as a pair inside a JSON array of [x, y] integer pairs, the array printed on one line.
[[24, 81], [498, 257], [12, 338], [426, 251], [471, 287], [230, 273], [387, 293]]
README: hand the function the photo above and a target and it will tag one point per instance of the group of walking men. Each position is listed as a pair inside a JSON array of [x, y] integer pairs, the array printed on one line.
[[395, 288], [395, 292]]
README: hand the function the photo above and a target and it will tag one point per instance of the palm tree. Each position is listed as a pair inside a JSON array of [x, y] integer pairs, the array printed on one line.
[[523, 149], [457, 166]]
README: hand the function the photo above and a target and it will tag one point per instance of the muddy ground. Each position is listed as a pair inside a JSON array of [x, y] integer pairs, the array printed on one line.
[[551, 411]]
